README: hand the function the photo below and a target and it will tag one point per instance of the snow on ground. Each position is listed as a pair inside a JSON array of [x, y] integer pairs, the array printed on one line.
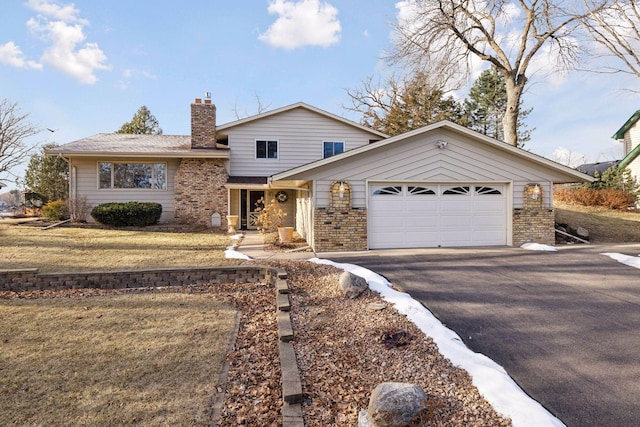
[[232, 253], [538, 247], [632, 261], [491, 379]]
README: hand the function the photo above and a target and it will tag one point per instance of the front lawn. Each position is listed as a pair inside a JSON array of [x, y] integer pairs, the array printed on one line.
[[140, 358], [604, 225], [69, 249]]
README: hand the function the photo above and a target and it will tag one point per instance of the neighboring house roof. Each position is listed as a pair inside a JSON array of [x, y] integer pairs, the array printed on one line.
[[230, 125], [629, 158], [445, 124], [600, 167], [133, 145], [626, 126]]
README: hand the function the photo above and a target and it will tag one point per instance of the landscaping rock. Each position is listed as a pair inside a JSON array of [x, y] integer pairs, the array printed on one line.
[[353, 286], [583, 233], [394, 405]]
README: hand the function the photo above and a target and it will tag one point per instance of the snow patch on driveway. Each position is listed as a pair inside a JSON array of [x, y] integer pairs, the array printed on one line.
[[629, 260]]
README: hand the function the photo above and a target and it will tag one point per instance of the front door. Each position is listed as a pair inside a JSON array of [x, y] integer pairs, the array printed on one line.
[[248, 205]]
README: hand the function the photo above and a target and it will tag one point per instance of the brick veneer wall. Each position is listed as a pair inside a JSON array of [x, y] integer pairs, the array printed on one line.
[[533, 222], [30, 279], [340, 230], [203, 124], [199, 191], [340, 227]]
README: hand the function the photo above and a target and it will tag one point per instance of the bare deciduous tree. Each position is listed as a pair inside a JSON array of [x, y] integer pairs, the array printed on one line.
[[617, 29], [444, 37], [14, 129]]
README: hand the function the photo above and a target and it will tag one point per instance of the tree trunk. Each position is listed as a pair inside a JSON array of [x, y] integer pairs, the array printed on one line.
[[515, 88]]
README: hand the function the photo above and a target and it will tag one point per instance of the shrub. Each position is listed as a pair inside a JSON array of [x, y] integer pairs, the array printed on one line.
[[137, 214], [610, 198], [269, 218], [56, 210]]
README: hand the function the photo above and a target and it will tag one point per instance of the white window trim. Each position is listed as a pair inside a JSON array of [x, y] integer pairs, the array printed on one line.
[[267, 140], [111, 186], [333, 141]]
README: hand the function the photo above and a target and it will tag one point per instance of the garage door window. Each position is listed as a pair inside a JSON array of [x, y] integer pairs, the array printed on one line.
[[391, 190], [420, 191], [460, 191], [483, 191]]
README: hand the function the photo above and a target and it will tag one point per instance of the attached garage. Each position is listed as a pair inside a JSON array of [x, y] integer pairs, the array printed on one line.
[[439, 186], [418, 215]]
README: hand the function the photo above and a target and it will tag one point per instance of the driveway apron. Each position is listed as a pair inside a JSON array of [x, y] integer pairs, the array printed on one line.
[[565, 325]]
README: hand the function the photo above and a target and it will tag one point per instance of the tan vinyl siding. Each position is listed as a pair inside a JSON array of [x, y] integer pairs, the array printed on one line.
[[87, 185], [300, 134], [632, 138], [419, 160]]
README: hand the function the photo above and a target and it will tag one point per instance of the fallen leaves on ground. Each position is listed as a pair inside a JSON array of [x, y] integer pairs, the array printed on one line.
[[341, 352]]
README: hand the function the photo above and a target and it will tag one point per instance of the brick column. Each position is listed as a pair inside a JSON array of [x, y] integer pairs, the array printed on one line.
[[533, 222]]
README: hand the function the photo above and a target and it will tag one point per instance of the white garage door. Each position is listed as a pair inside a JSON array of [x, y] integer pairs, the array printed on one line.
[[434, 215]]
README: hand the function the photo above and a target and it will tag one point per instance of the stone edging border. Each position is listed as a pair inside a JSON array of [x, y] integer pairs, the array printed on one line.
[[31, 279], [291, 384]]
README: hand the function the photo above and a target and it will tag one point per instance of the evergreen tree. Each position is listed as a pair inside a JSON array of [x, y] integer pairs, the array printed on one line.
[[405, 105], [48, 175], [143, 122], [486, 106]]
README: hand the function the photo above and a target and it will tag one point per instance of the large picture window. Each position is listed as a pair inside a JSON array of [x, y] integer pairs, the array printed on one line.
[[151, 176], [266, 149], [331, 148]]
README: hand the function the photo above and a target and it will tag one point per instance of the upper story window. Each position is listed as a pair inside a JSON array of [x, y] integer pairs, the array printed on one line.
[[331, 148], [266, 149], [151, 176]]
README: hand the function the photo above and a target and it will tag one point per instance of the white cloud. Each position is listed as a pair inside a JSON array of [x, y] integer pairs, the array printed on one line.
[[67, 13], [567, 157], [62, 29], [11, 54], [129, 74], [65, 53], [303, 23]]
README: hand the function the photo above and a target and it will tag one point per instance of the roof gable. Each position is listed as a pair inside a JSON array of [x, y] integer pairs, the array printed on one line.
[[227, 126], [626, 126], [569, 174]]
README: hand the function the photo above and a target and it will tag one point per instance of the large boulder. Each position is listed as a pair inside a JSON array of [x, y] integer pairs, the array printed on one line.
[[352, 286], [394, 405]]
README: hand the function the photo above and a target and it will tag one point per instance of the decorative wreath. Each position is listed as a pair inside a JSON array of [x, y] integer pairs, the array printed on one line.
[[282, 197]]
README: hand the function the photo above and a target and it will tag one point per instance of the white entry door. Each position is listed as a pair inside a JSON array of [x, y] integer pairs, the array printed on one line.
[[433, 215]]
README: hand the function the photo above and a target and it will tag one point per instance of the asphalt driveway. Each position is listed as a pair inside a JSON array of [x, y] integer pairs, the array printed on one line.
[[565, 325]]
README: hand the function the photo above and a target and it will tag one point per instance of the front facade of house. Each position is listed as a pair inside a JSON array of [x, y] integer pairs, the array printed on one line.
[[439, 186], [343, 186], [214, 172]]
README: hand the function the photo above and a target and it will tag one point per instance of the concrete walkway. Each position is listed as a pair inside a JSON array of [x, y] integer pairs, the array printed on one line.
[[253, 246]]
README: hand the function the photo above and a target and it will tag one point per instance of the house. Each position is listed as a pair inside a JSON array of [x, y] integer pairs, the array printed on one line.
[[343, 186], [217, 170], [629, 135]]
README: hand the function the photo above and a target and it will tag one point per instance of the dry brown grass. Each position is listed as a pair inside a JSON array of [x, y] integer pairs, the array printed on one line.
[[67, 249], [604, 225], [150, 359]]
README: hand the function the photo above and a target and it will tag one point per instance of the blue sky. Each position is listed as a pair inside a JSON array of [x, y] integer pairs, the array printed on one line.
[[85, 67]]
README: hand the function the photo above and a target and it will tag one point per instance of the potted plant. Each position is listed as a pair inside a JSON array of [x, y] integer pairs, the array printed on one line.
[[269, 221]]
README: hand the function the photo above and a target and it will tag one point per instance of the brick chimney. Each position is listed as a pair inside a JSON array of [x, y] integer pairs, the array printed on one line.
[[203, 124]]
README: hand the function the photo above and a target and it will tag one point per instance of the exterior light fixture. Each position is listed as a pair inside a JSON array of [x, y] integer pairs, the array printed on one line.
[[341, 189], [442, 144], [534, 191]]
